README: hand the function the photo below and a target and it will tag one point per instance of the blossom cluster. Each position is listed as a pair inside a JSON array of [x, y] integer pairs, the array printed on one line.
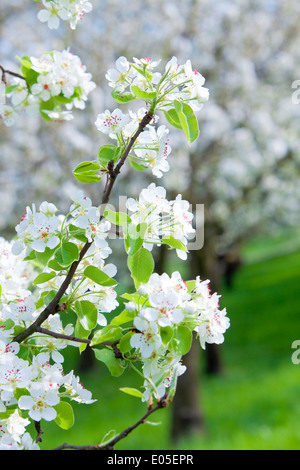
[[32, 385], [180, 82], [163, 218], [41, 231], [53, 85], [169, 308], [71, 11], [67, 256], [31, 389], [178, 85]]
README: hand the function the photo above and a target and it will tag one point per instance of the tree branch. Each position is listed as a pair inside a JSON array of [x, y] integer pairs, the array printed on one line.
[[51, 307], [14, 74], [87, 341], [162, 403]]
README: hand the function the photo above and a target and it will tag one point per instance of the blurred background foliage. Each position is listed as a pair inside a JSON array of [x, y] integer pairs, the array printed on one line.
[[244, 168]]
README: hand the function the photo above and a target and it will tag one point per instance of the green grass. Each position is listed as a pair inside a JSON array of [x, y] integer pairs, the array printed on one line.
[[254, 404]]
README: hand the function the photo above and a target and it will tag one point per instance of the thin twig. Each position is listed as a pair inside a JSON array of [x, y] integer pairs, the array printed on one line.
[[37, 425], [162, 403], [14, 74], [44, 331]]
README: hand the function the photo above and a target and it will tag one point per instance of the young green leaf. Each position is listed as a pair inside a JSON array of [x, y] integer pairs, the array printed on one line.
[[106, 153], [116, 218], [166, 333], [132, 391], [135, 235], [67, 254], [174, 243], [137, 166], [65, 416], [124, 344], [144, 95], [141, 266], [182, 340], [87, 172], [123, 317], [108, 436], [80, 332], [108, 357], [172, 118], [98, 276], [188, 120], [44, 277], [122, 96], [108, 333], [87, 313]]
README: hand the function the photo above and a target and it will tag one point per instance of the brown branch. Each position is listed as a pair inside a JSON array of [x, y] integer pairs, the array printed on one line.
[[112, 175], [44, 331], [87, 341], [51, 307], [162, 403], [14, 74], [111, 178], [37, 425]]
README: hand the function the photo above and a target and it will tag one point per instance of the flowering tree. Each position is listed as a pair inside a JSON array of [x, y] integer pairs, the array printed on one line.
[[57, 262]]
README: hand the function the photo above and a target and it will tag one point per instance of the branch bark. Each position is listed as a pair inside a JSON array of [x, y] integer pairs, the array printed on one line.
[[162, 403], [9, 72], [111, 178]]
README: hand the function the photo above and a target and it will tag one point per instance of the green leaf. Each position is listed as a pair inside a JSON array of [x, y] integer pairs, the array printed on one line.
[[80, 332], [124, 344], [145, 95], [141, 266], [132, 391], [98, 276], [116, 218], [78, 233], [108, 333], [49, 296], [87, 172], [62, 99], [109, 436], [123, 317], [47, 106], [53, 264], [137, 166], [108, 357], [172, 118], [44, 256], [166, 333], [44, 277], [31, 77], [25, 61], [182, 340], [87, 313], [122, 97], [174, 243], [65, 416], [10, 89], [106, 153], [190, 285], [187, 120], [67, 254], [134, 236]]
